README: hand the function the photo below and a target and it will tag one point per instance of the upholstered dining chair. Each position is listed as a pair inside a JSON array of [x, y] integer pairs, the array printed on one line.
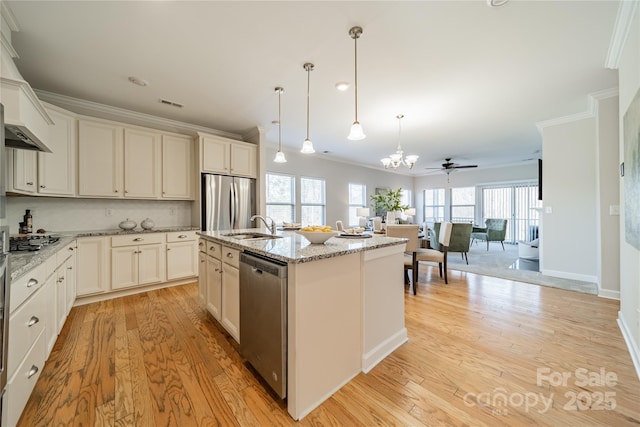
[[439, 256], [408, 231]]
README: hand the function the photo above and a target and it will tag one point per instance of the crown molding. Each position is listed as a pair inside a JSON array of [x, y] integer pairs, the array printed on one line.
[[90, 108], [9, 17], [621, 29], [6, 43]]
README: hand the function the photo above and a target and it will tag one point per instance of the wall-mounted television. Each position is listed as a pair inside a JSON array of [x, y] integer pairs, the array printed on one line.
[[539, 179]]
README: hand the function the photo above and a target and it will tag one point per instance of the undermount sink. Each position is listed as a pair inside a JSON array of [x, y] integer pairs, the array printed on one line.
[[251, 236]]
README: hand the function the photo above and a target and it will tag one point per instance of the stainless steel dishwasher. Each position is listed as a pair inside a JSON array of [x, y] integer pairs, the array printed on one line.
[[263, 318]]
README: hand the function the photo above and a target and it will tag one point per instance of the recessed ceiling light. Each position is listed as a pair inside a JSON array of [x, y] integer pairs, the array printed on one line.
[[138, 81], [342, 86]]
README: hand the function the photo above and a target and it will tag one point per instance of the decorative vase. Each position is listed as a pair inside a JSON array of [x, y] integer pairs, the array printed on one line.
[[147, 224], [128, 224], [391, 217]]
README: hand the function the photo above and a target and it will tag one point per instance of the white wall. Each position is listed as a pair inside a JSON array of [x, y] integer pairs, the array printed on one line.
[[337, 176], [67, 214], [629, 84]]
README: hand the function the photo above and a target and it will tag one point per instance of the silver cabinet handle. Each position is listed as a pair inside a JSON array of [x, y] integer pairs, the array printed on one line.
[[115, 191], [138, 239], [33, 321], [32, 282], [182, 236], [201, 260], [213, 248], [34, 370], [201, 244], [70, 268], [29, 183], [43, 186], [168, 249], [229, 255], [70, 249]]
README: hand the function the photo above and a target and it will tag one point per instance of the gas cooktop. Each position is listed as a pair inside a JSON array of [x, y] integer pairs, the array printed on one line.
[[31, 242]]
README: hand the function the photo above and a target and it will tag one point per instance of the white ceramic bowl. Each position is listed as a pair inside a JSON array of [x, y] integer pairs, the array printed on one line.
[[317, 237]]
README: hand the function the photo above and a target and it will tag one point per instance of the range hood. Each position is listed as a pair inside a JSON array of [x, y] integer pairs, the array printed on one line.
[[26, 122]]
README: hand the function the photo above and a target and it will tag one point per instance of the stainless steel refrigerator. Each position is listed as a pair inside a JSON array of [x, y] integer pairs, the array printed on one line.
[[4, 266], [227, 202]]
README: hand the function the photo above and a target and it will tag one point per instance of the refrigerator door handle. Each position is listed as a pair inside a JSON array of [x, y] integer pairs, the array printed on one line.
[[233, 205]]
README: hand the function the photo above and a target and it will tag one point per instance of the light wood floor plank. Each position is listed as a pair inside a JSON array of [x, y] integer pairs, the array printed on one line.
[[159, 358]]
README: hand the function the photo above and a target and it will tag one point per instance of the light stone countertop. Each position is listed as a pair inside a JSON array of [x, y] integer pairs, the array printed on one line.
[[22, 262], [293, 248]]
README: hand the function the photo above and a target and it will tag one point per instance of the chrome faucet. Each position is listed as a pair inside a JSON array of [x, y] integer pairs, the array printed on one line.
[[272, 227]]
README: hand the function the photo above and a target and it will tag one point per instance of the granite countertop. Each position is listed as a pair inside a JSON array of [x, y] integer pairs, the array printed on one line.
[[294, 248], [21, 263]]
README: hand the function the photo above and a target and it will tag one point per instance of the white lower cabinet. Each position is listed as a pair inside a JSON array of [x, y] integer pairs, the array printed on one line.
[[182, 255], [137, 265], [223, 287], [202, 271], [93, 265]]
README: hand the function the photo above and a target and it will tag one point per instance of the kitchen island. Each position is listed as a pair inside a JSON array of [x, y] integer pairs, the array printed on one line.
[[345, 310]]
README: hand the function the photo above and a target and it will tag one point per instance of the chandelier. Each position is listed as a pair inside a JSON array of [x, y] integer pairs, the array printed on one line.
[[396, 159]]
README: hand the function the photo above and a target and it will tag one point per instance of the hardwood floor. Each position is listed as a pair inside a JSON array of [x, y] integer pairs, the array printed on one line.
[[482, 351]]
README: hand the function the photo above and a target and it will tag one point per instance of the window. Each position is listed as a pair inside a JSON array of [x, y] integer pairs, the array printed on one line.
[[357, 199], [405, 197], [312, 201], [434, 205], [463, 204], [280, 198]]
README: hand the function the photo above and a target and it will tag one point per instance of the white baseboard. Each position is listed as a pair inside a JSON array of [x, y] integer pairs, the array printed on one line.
[[570, 276], [607, 293], [88, 299], [632, 345], [375, 356]]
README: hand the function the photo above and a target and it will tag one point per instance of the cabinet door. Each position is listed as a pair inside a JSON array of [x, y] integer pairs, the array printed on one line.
[[214, 287], [99, 159], [142, 156], [202, 277], [151, 264], [124, 267], [24, 170], [50, 322], [231, 301], [92, 265], [71, 280], [182, 260], [61, 297], [215, 154], [177, 167], [243, 159], [57, 170]]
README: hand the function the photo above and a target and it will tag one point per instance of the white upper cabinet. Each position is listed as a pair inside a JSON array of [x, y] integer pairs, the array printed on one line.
[[142, 163], [226, 156], [177, 167], [24, 171], [100, 149], [57, 170]]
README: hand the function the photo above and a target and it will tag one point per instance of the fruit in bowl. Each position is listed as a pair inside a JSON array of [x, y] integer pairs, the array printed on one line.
[[317, 234]]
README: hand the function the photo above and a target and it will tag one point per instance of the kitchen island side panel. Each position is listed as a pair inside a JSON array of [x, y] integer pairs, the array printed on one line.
[[324, 330]]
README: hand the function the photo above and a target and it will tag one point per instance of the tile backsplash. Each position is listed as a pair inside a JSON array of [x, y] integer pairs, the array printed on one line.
[[63, 214]]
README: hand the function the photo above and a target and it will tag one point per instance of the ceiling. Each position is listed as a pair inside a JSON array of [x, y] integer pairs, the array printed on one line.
[[471, 80]]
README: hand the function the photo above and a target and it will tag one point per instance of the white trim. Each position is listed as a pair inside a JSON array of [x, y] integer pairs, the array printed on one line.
[[620, 33], [604, 94], [298, 415], [607, 293], [385, 348], [9, 17], [632, 346], [130, 291], [90, 108], [571, 276], [565, 119], [7, 45]]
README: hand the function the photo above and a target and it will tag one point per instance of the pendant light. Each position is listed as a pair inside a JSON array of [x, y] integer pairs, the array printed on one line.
[[307, 146], [279, 154], [396, 159], [356, 129]]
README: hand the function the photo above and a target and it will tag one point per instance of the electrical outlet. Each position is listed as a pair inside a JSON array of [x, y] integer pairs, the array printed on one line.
[[172, 211], [108, 212]]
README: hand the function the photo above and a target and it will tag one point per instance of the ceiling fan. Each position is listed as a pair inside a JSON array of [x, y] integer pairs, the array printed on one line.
[[448, 166]]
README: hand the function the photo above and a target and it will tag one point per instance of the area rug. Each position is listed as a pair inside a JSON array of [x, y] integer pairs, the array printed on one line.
[[498, 263]]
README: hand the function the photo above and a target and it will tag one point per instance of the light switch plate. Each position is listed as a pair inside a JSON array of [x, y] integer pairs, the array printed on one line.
[[548, 209], [614, 210]]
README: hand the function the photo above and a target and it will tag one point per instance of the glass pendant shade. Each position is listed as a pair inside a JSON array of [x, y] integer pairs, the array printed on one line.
[[307, 147], [356, 133], [280, 158]]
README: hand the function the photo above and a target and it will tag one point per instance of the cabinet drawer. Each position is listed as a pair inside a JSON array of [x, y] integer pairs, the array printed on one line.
[[231, 256], [22, 288], [19, 387], [25, 325], [180, 236], [214, 249], [63, 254], [137, 239]]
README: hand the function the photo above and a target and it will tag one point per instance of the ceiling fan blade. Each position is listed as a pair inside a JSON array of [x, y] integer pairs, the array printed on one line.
[[464, 166]]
